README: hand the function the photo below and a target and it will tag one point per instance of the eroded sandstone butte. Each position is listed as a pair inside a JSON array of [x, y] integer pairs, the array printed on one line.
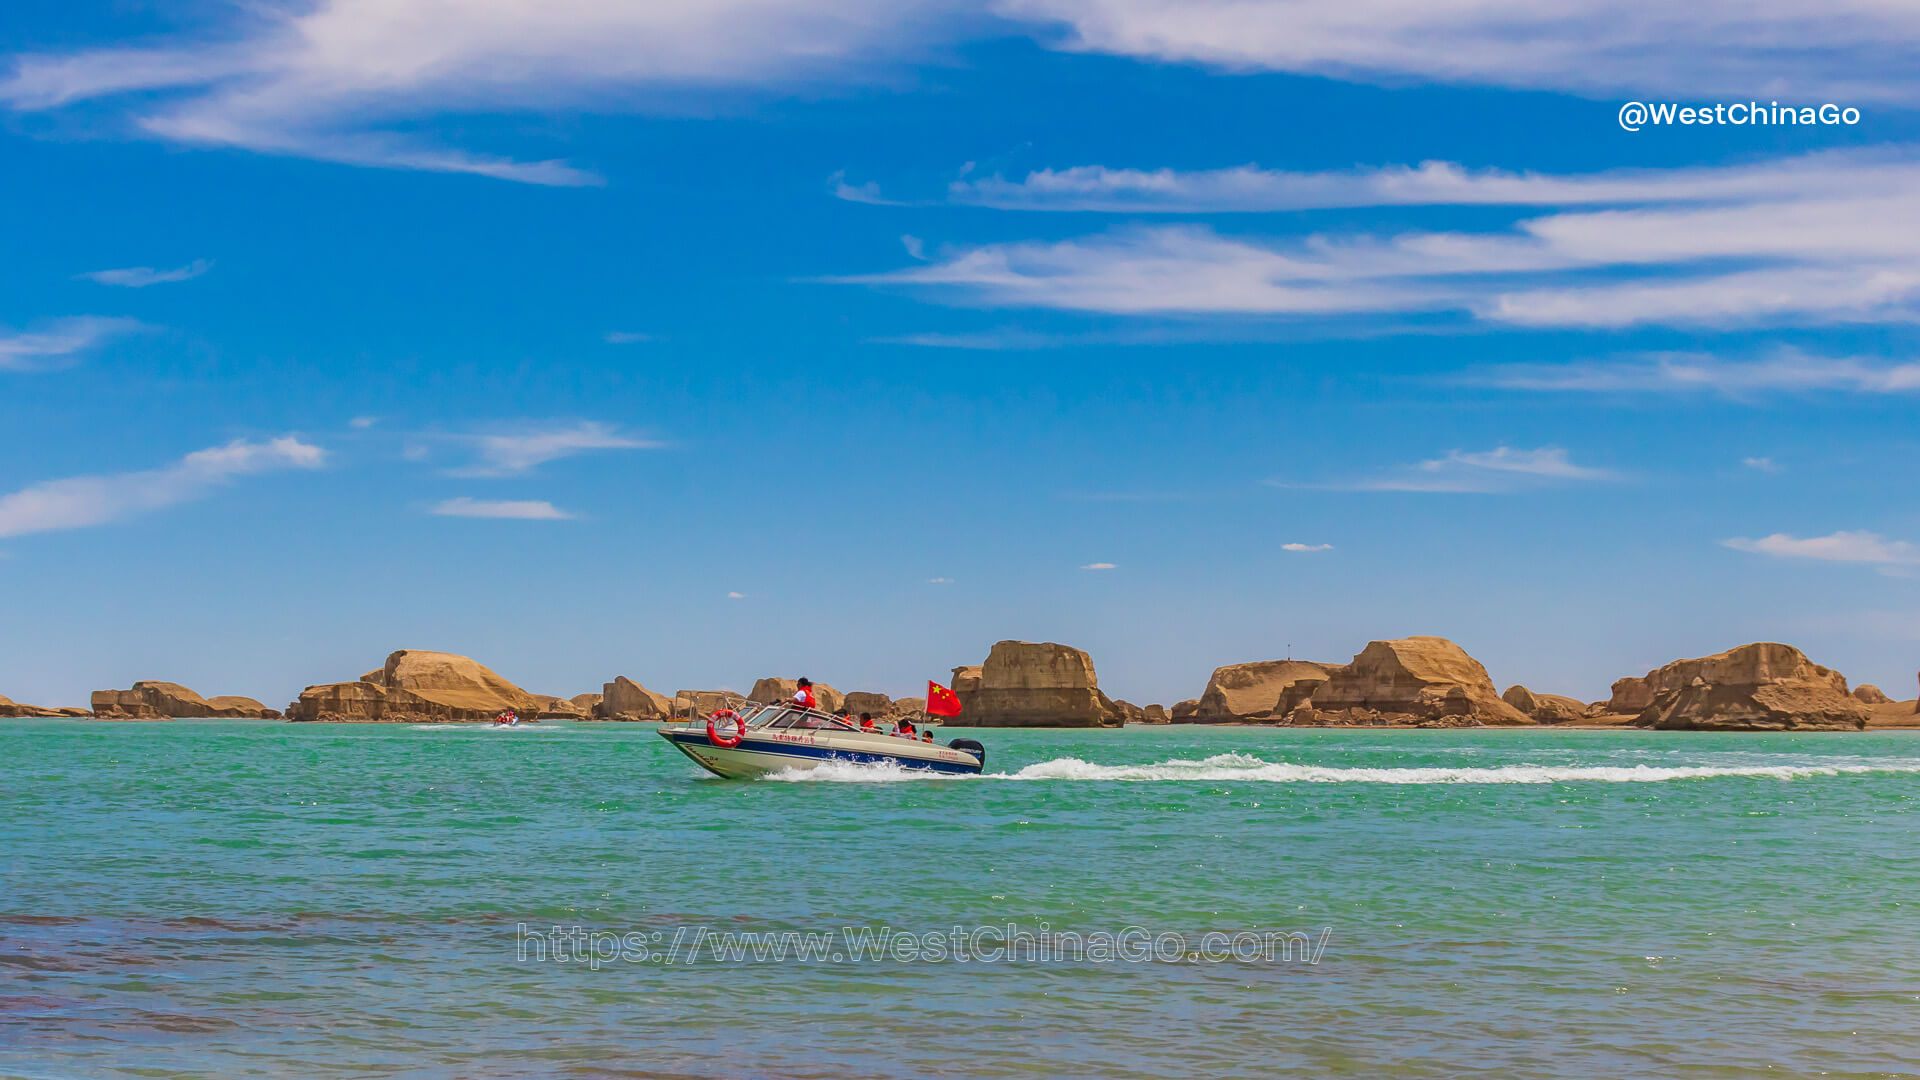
[[1545, 708], [1765, 686], [420, 686], [1258, 690], [1413, 681], [1034, 684], [624, 699], [153, 698]]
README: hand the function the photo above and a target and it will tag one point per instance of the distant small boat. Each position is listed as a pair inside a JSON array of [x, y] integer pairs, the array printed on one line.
[[763, 739]]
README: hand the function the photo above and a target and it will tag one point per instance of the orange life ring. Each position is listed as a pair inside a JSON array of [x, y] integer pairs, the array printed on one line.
[[739, 730]]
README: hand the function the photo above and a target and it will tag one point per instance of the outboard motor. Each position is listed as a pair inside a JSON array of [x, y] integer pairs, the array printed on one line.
[[971, 746]]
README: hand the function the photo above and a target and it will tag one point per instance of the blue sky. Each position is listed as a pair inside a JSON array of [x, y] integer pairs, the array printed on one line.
[[697, 343]]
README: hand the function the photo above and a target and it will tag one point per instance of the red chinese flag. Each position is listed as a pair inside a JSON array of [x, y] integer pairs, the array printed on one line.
[[941, 701]]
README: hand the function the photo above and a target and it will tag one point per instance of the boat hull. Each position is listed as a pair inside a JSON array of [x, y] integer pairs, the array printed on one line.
[[761, 753]]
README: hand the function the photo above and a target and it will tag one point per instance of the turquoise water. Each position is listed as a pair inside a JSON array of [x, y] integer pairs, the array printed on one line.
[[233, 898]]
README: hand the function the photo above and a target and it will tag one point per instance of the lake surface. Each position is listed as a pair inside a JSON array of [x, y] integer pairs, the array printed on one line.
[[235, 898]]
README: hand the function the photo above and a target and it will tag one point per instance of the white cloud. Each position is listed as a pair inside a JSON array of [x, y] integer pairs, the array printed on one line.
[[1306, 547], [939, 581], [1098, 566], [1811, 240], [511, 455], [627, 337], [1856, 49], [1785, 370], [326, 79], [363, 422], [60, 341], [522, 510], [1250, 188], [1843, 546], [341, 80], [1763, 464], [97, 500], [1502, 470], [139, 277], [736, 596]]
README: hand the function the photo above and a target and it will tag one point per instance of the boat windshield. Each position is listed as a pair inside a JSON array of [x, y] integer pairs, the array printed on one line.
[[774, 716]]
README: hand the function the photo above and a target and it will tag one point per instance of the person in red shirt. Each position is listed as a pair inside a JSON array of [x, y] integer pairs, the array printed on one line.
[[803, 697]]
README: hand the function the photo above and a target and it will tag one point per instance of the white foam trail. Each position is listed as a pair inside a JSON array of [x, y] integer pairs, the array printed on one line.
[[1245, 767], [486, 725], [851, 772]]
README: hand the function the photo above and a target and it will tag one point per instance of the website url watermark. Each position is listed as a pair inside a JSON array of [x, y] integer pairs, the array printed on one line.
[[1635, 115], [1010, 943]]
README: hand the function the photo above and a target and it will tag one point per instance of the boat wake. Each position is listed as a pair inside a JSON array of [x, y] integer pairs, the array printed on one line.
[[1246, 767]]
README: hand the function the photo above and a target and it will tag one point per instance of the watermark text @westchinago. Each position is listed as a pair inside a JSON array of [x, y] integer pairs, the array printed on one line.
[[1009, 943], [1635, 115]]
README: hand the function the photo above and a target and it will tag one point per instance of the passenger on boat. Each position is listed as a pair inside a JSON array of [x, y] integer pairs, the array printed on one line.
[[927, 735], [866, 721], [904, 727], [803, 697]]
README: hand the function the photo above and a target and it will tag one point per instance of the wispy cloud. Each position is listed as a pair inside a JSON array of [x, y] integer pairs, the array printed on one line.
[[525, 450], [80, 501], [1252, 189], [1786, 370], [1832, 238], [736, 596], [1500, 471], [1851, 48], [521, 510], [628, 337], [939, 581], [1762, 464], [337, 79], [363, 422], [1098, 566], [59, 342], [1844, 546], [1306, 547], [139, 277]]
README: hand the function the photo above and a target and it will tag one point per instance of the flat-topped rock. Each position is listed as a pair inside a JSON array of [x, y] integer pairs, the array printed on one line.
[[14, 710], [1035, 684], [552, 707], [695, 704], [1765, 686], [868, 701], [417, 685], [624, 699], [773, 689], [1412, 681], [1255, 690], [1545, 708]]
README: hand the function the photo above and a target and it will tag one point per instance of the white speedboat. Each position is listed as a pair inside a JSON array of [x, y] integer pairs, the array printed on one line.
[[762, 739]]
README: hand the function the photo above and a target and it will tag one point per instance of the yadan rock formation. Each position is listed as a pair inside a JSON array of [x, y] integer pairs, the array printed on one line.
[[1870, 694], [559, 708], [1415, 681], [772, 689], [1258, 691], [13, 709], [868, 701], [1153, 714], [1764, 686], [1034, 684], [696, 704], [417, 686], [152, 699], [1545, 708], [624, 699]]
